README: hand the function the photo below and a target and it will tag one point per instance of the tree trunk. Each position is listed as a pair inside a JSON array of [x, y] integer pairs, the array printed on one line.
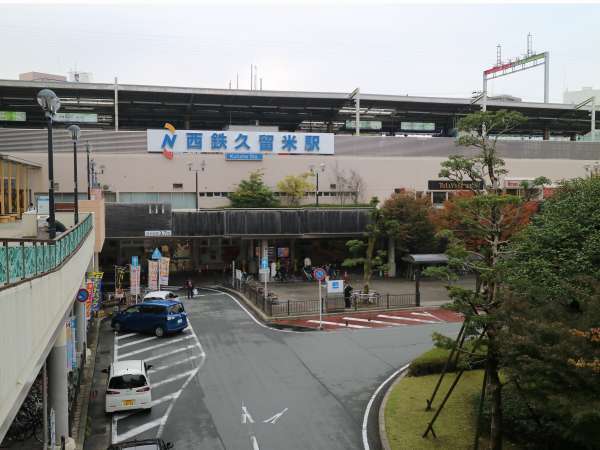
[[368, 266], [495, 394]]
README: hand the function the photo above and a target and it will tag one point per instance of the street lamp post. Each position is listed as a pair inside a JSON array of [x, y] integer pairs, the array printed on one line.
[[87, 151], [50, 103], [315, 172], [75, 134], [191, 169]]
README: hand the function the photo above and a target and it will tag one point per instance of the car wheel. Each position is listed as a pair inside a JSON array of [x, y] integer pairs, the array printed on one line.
[[117, 326], [159, 331]]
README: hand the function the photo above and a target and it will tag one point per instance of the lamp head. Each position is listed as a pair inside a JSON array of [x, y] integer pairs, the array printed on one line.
[[75, 132], [49, 101]]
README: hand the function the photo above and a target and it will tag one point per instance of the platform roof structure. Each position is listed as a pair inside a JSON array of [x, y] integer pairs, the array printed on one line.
[[141, 107]]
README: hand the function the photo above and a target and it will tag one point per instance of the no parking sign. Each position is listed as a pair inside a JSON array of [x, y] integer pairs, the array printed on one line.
[[319, 274]]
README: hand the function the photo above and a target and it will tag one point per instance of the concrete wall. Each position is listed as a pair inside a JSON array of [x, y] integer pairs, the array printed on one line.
[[97, 207], [30, 315]]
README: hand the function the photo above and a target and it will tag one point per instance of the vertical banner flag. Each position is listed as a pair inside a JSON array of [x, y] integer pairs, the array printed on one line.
[[152, 275], [134, 277], [89, 285], [164, 270]]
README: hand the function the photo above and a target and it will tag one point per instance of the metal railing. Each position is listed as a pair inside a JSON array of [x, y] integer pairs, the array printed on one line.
[[275, 307], [24, 259]]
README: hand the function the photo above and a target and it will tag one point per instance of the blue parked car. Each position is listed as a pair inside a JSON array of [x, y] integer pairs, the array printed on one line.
[[159, 317]]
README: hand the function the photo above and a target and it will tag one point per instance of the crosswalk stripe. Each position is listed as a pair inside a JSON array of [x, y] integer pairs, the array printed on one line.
[[172, 352], [151, 338], [137, 430], [171, 379], [427, 314], [410, 319], [176, 363], [380, 322], [337, 324], [124, 336], [152, 347]]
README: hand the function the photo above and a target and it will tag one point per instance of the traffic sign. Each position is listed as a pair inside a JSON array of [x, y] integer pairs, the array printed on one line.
[[156, 254], [319, 274], [335, 287], [82, 295], [264, 263], [135, 261]]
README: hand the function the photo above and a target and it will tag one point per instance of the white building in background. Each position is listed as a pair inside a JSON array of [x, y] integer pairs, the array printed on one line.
[[576, 97]]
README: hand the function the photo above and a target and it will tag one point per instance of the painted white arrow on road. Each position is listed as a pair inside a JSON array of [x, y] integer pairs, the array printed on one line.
[[246, 417], [275, 418]]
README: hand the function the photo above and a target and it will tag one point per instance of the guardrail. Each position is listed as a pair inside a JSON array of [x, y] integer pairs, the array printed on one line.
[[25, 259], [274, 307]]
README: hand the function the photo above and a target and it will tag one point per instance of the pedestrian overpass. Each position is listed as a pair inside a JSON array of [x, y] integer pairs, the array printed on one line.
[[39, 279]]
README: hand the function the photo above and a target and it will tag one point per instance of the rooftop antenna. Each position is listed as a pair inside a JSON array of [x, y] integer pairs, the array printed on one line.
[[529, 44], [498, 54], [237, 80]]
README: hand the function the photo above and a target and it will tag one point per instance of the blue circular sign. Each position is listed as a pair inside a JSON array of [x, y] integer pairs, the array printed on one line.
[[319, 274], [82, 295]]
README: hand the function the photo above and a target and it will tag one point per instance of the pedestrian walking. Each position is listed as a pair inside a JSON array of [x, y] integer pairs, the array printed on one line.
[[189, 285]]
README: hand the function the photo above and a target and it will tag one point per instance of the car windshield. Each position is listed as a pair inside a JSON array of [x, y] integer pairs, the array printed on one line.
[[127, 382], [171, 295], [176, 309]]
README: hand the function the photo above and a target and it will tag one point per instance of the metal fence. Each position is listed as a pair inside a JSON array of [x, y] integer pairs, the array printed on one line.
[[23, 259], [275, 307]]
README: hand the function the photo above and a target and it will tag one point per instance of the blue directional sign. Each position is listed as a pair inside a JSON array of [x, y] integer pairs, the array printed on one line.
[[82, 295], [243, 156], [264, 263], [135, 261], [156, 254]]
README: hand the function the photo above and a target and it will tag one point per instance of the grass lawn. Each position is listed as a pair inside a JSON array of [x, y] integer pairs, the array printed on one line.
[[406, 418]]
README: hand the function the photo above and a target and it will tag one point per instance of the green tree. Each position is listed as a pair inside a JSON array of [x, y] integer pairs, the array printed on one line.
[[295, 187], [414, 231], [486, 221], [364, 252], [253, 193], [551, 338]]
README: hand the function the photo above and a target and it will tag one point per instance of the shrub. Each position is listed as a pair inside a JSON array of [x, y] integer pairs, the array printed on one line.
[[430, 362]]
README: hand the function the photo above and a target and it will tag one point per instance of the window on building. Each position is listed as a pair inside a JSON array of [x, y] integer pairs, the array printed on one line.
[[332, 186], [438, 198], [177, 185]]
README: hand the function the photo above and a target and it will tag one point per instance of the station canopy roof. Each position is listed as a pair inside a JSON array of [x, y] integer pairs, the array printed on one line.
[[141, 107]]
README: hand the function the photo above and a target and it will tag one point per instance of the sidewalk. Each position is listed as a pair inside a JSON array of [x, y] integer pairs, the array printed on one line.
[[433, 292]]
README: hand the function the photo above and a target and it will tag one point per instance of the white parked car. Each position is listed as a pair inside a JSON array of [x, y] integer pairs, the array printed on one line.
[[160, 295], [128, 386]]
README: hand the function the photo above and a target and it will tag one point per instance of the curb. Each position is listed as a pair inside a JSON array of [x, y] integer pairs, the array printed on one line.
[[385, 445], [257, 312], [89, 374]]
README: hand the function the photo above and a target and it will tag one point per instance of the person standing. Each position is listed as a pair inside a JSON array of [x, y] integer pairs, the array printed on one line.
[[190, 288]]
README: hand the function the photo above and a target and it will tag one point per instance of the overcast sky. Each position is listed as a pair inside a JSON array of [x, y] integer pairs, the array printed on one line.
[[403, 49]]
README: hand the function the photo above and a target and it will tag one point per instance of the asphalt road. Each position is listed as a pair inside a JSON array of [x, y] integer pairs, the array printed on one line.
[[237, 384]]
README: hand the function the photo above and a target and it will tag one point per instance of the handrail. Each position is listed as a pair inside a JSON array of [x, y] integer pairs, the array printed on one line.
[[32, 258]]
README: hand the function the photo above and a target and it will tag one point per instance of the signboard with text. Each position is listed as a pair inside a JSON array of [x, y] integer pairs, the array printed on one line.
[[450, 185], [235, 141], [152, 275], [164, 270], [12, 116]]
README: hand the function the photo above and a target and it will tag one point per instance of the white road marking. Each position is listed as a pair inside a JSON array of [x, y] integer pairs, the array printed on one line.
[[246, 417], [273, 420], [254, 443], [176, 363], [165, 417], [174, 352], [426, 314], [365, 437], [410, 319], [171, 379], [138, 430], [124, 336], [152, 347], [381, 322], [158, 401], [337, 324], [151, 338]]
